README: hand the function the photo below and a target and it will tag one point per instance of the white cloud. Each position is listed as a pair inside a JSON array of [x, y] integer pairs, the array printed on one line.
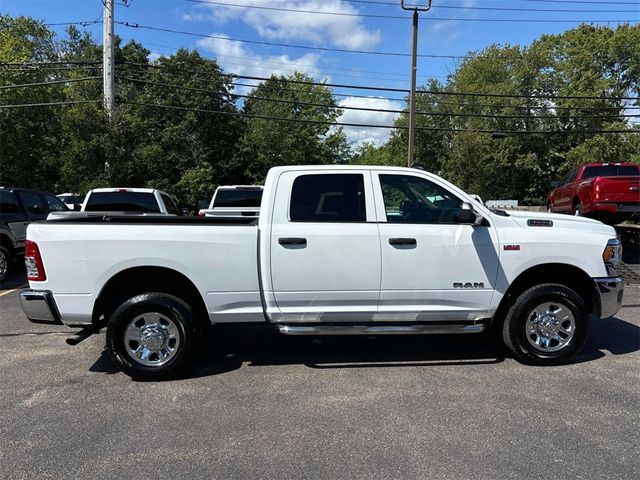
[[153, 56], [341, 31], [358, 135], [235, 58], [450, 30]]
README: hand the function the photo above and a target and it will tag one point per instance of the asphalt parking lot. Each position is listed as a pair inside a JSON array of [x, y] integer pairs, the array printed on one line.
[[257, 405]]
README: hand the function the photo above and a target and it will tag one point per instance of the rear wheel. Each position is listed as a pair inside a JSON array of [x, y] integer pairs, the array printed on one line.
[[546, 325], [152, 336], [5, 263]]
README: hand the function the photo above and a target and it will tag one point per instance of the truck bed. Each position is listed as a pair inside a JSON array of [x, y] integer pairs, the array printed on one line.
[[218, 255]]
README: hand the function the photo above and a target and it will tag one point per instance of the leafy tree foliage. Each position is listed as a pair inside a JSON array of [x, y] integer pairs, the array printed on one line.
[[178, 126]]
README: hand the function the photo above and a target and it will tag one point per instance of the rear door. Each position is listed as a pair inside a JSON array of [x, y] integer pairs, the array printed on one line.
[[324, 247], [13, 218], [433, 267]]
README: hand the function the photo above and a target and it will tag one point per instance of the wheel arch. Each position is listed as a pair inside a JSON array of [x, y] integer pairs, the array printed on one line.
[[144, 279], [561, 273]]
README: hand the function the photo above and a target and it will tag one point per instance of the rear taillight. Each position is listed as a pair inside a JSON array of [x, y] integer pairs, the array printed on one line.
[[33, 261]]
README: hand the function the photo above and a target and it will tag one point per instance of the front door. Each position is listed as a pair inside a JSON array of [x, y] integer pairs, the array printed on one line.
[[433, 267], [325, 250]]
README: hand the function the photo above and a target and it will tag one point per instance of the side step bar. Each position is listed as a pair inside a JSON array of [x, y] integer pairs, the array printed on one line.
[[380, 329]]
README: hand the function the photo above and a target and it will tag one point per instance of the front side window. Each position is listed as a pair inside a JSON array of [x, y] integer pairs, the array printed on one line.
[[169, 204], [55, 204], [328, 198], [409, 199]]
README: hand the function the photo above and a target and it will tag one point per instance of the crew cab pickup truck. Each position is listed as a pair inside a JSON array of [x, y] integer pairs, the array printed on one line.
[[336, 250], [608, 191], [234, 201]]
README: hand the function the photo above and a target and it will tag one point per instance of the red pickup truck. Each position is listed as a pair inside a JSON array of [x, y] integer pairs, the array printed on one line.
[[606, 190]]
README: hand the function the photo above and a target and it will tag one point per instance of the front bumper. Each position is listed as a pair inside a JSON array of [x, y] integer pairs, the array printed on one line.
[[39, 306], [610, 290]]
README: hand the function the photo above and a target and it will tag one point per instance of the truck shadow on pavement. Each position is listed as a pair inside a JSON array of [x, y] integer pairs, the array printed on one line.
[[228, 348]]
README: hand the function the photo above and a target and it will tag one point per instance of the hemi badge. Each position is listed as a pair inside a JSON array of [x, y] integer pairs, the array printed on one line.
[[511, 247], [539, 223]]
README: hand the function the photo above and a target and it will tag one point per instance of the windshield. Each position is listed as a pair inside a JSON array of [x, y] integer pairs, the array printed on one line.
[[238, 198], [611, 171], [71, 199], [122, 202]]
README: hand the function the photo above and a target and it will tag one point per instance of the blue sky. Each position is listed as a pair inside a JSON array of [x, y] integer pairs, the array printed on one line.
[[437, 36]]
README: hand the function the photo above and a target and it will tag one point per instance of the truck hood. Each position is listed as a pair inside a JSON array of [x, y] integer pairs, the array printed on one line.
[[565, 222]]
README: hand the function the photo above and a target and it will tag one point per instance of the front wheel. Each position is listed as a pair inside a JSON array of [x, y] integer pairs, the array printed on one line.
[[546, 325], [152, 336]]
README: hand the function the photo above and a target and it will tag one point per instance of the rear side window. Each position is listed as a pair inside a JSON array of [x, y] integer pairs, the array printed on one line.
[[611, 171], [32, 202], [238, 198], [328, 198], [8, 202], [170, 204], [138, 202]]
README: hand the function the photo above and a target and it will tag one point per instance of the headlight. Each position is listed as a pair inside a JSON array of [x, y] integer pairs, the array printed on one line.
[[612, 254]]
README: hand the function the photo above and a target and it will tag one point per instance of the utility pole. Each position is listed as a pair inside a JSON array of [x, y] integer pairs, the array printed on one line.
[[414, 68], [108, 57]]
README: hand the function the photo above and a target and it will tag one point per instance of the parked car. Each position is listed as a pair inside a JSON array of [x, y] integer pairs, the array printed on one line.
[[336, 250], [609, 191], [234, 201], [130, 200], [72, 200], [18, 207]]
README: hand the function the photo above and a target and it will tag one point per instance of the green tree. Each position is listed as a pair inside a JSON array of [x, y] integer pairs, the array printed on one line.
[[268, 142]]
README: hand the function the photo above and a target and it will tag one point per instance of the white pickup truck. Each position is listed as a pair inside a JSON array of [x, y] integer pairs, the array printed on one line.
[[336, 250], [234, 201]]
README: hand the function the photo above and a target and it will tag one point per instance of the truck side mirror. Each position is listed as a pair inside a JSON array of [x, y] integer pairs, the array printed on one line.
[[555, 183], [468, 215]]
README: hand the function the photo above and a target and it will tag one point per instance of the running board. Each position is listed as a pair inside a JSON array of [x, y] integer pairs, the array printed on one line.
[[380, 329]]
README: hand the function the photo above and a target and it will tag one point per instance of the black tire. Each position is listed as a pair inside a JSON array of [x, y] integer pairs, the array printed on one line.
[[172, 310], [5, 263], [514, 331], [577, 210]]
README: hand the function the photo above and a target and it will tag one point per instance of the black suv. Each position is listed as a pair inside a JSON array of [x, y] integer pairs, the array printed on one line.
[[19, 207]]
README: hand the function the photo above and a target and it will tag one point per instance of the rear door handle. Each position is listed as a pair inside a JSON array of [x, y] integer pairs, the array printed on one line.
[[403, 241], [292, 241]]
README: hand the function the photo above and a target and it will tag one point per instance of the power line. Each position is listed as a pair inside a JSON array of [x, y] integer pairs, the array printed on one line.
[[366, 125], [403, 90], [83, 23], [50, 82], [402, 17], [367, 109], [49, 104], [472, 7]]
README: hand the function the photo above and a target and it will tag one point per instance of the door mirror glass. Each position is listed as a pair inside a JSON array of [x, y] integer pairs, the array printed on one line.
[[555, 183], [468, 215]]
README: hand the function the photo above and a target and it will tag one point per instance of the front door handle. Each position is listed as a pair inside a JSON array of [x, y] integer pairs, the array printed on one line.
[[292, 241], [403, 242]]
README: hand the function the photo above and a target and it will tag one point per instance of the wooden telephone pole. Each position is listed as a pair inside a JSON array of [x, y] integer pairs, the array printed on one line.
[[412, 95], [108, 57]]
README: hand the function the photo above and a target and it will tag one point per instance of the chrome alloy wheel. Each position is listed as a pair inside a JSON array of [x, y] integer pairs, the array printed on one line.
[[152, 339], [550, 326]]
